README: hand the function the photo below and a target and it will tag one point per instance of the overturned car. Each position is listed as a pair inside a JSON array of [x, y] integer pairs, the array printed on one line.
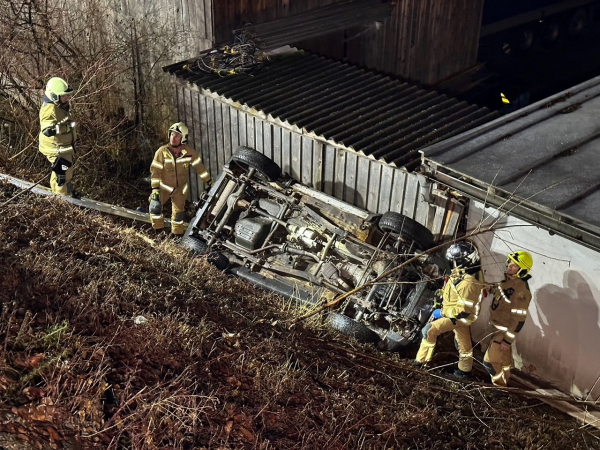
[[303, 244]]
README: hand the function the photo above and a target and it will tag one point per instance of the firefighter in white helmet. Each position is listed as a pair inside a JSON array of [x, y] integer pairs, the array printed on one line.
[[170, 176], [461, 297], [57, 135], [508, 312]]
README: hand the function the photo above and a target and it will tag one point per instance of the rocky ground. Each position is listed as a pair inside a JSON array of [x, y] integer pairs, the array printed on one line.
[[113, 337]]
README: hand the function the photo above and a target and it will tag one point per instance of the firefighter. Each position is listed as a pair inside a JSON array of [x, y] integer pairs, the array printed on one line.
[[57, 135], [461, 298], [508, 312], [170, 176]]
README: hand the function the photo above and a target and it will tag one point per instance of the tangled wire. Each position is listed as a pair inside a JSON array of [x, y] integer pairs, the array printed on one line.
[[241, 57]]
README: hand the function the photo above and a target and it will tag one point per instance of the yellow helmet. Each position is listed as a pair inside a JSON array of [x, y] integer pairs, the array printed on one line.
[[523, 260], [180, 128], [56, 87]]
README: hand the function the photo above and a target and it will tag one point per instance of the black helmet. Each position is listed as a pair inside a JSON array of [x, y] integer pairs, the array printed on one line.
[[463, 254]]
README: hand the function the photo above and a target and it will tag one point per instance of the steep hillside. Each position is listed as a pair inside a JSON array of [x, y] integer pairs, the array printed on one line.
[[114, 337]]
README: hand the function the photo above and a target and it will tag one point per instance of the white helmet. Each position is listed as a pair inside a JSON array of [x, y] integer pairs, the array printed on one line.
[[180, 128]]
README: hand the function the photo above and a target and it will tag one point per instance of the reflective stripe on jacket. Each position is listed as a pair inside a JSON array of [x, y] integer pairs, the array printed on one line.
[[508, 310], [169, 173], [53, 116], [462, 296]]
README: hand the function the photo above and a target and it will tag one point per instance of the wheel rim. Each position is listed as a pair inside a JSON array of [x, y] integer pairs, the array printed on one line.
[[577, 23], [525, 40], [550, 33]]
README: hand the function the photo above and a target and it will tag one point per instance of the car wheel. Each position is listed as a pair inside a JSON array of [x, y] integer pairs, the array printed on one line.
[[199, 247], [407, 228], [247, 158], [550, 33], [577, 23], [523, 40], [352, 328]]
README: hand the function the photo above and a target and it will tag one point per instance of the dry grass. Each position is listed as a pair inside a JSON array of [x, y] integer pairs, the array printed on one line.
[[216, 365]]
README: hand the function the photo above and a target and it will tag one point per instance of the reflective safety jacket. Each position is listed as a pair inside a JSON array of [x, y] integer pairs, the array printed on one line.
[[462, 296], [169, 173], [56, 118], [508, 310]]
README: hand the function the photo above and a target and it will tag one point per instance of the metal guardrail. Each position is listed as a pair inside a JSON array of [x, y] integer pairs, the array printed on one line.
[[83, 202]]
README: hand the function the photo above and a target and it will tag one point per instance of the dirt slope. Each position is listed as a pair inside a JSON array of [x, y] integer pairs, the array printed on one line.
[[216, 365]]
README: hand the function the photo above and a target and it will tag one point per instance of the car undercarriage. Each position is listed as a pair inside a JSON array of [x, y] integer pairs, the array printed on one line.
[[306, 245]]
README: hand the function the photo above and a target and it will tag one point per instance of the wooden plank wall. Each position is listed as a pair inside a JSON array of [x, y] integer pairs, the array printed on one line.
[[232, 14], [424, 41], [196, 18], [217, 129], [191, 22]]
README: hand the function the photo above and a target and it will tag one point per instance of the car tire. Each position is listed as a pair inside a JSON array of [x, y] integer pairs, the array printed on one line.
[[247, 158], [352, 328], [550, 33], [523, 40], [199, 247], [407, 228], [577, 23]]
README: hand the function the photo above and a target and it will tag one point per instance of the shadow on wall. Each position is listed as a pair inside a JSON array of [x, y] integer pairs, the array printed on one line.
[[566, 341]]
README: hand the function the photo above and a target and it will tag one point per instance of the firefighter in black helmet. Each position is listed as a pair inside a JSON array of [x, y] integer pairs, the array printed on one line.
[[461, 298]]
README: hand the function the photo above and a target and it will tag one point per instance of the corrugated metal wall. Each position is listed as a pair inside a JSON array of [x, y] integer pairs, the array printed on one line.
[[217, 129]]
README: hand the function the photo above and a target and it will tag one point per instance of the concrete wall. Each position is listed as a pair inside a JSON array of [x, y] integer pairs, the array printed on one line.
[[559, 340]]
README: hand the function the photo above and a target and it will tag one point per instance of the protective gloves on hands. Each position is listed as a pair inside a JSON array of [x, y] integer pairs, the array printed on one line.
[[437, 314], [155, 205], [49, 132], [155, 195]]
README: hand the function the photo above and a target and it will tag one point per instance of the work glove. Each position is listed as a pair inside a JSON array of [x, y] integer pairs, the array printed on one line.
[[155, 205], [437, 314], [60, 167], [155, 195], [49, 132]]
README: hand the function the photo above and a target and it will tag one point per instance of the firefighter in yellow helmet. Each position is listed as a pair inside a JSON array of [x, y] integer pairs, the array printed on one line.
[[508, 312], [170, 176], [57, 135], [461, 298]]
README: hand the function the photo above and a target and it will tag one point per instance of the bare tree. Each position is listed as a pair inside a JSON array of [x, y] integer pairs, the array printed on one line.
[[111, 58]]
